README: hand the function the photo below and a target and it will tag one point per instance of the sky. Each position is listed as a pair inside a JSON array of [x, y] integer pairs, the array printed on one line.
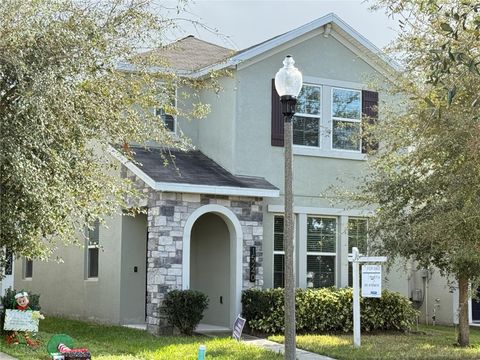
[[243, 23]]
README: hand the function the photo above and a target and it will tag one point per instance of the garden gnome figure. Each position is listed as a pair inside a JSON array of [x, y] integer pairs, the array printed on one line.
[[22, 302]]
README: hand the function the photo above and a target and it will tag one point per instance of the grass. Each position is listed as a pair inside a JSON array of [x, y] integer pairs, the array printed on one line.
[[428, 344], [119, 343]]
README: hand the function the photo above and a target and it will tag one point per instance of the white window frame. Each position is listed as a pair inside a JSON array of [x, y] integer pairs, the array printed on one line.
[[277, 252], [318, 117], [317, 253], [334, 118], [157, 112]]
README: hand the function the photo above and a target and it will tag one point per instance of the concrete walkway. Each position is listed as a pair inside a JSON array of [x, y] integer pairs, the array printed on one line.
[[280, 348], [6, 357], [267, 345]]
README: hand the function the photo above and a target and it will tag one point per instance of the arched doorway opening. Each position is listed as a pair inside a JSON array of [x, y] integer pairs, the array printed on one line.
[[231, 250], [210, 265]]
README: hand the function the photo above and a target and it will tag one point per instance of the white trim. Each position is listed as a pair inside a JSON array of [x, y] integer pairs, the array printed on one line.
[[319, 81], [217, 190], [336, 154], [338, 29], [236, 253], [321, 211], [191, 188]]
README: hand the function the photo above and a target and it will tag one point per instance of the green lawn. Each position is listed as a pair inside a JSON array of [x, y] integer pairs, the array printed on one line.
[[119, 343], [430, 343]]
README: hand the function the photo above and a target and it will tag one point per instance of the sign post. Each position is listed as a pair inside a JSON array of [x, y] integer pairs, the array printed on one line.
[[371, 285]]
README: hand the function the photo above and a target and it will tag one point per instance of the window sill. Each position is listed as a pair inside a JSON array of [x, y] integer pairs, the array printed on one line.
[[336, 154], [92, 279]]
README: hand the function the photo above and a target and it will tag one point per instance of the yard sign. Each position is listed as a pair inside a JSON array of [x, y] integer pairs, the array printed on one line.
[[356, 259], [17, 320]]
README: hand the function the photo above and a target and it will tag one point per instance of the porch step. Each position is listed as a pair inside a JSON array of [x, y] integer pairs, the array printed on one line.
[[135, 326]]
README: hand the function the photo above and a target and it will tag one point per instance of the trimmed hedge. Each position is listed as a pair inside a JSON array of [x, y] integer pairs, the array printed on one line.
[[184, 309], [326, 310]]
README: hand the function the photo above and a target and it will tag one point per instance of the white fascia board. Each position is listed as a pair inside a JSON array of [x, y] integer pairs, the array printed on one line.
[[191, 188], [279, 40], [215, 190], [321, 211]]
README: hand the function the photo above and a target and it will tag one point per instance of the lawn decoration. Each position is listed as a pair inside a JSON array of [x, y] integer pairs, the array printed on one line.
[[19, 321], [61, 347]]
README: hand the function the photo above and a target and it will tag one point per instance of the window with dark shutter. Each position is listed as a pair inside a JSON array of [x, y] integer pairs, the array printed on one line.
[[370, 117], [277, 118]]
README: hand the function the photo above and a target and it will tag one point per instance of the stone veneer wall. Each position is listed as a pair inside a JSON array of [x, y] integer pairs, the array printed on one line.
[[167, 215]]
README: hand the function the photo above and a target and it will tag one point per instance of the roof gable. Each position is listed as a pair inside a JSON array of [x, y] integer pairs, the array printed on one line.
[[188, 54]]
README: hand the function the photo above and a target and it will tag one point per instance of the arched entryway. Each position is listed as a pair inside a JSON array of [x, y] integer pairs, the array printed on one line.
[[210, 266], [212, 261]]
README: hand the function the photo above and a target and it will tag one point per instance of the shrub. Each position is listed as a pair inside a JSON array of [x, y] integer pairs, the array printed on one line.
[[184, 309], [8, 301], [326, 310]]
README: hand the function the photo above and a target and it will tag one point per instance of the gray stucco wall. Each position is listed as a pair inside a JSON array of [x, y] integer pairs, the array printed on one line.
[[64, 288], [214, 135]]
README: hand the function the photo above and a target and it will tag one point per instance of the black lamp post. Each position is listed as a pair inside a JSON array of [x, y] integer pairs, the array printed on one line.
[[288, 83]]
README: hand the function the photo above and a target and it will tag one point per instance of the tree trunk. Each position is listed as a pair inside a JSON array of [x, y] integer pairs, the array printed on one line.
[[463, 325]]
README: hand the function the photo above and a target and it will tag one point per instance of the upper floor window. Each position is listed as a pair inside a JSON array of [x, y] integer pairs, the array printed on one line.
[[93, 250], [168, 111], [346, 119], [306, 123]]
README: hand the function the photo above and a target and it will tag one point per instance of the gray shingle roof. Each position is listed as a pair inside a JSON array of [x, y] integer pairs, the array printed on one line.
[[192, 167], [189, 54]]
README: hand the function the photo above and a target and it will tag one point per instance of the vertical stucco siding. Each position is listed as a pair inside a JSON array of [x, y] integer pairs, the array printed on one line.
[[214, 135]]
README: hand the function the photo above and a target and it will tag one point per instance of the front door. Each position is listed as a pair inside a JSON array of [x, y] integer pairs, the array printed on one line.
[[476, 307], [210, 266]]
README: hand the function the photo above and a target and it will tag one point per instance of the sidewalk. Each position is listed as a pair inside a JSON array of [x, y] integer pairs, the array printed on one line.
[[280, 348], [264, 343], [6, 357]]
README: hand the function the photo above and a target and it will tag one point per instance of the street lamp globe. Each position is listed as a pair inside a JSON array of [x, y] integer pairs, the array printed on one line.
[[288, 80]]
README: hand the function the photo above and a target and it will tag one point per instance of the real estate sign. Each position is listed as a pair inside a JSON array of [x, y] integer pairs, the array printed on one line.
[[17, 320], [372, 281]]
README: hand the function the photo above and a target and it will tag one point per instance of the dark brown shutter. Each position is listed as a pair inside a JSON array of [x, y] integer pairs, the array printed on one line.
[[369, 116], [277, 118]]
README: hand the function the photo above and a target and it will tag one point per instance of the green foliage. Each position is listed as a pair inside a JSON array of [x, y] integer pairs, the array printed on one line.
[[64, 100], [8, 301], [424, 182], [184, 309], [326, 310]]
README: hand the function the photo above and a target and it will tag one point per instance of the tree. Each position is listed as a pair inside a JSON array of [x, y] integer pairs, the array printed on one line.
[[63, 101], [425, 180]]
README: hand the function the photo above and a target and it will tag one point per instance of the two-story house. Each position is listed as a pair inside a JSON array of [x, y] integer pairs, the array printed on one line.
[[213, 218]]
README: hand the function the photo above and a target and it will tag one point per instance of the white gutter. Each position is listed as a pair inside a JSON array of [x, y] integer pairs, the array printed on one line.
[[191, 188]]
